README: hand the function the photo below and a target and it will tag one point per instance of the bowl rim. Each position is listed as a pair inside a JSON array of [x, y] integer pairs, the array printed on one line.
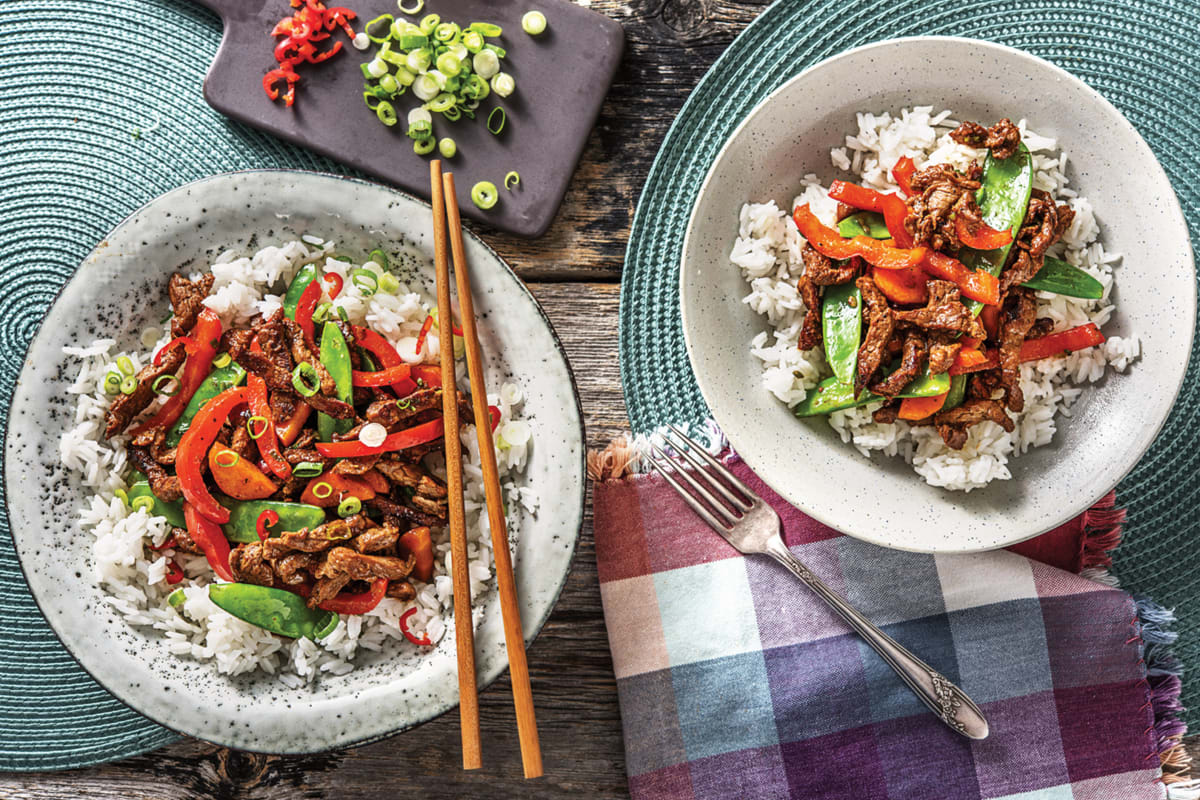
[[1149, 432], [484, 680]]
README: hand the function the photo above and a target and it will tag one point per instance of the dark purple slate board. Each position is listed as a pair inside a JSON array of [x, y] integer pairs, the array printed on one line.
[[562, 77]]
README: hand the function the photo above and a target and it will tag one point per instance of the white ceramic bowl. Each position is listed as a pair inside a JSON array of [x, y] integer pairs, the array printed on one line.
[[881, 499], [116, 292]]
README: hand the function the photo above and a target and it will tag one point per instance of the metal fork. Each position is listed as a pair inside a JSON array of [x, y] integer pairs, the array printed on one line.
[[752, 526]]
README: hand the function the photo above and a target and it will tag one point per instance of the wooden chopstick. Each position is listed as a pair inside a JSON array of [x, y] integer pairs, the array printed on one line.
[[464, 631], [514, 637]]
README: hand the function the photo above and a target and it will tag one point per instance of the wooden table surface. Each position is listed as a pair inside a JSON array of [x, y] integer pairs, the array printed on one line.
[[574, 270]]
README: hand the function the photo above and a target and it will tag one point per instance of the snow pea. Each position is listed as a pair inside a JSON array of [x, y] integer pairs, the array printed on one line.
[[335, 355], [243, 518], [1060, 277], [864, 223], [1003, 197], [218, 380], [833, 395], [958, 392], [306, 275], [275, 610], [841, 318], [173, 511]]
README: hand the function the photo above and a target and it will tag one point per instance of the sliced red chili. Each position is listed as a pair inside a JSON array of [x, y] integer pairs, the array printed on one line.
[[423, 641], [265, 520], [174, 573], [335, 282], [425, 328]]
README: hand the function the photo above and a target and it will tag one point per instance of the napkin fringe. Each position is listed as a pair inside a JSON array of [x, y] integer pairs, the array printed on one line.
[[1163, 670], [1102, 532]]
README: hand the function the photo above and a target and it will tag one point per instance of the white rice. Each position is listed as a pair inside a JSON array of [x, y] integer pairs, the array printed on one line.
[[134, 576], [767, 251]]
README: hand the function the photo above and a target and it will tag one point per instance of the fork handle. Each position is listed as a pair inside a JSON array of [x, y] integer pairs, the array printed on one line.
[[949, 703]]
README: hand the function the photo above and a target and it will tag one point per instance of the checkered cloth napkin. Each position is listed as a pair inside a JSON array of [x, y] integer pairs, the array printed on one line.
[[736, 682]]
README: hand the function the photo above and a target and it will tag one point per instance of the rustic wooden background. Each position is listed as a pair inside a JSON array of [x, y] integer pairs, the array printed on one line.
[[574, 270]]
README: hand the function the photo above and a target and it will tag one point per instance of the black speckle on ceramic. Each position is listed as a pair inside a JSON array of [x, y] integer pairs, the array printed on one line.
[[881, 500], [119, 290]]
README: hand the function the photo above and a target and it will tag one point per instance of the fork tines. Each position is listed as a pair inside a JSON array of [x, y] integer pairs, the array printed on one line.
[[701, 478]]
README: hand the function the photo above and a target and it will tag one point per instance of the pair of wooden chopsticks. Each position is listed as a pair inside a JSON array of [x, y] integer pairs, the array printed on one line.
[[446, 224]]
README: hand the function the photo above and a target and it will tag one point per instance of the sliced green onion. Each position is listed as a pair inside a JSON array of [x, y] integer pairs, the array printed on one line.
[[122, 495], [348, 507], [366, 71], [176, 598], [486, 63], [305, 379], [404, 77], [449, 64], [389, 283], [486, 29], [533, 23], [377, 68], [419, 60], [142, 501], [386, 113], [308, 469], [447, 32], [424, 147], [443, 101], [222, 361], [125, 364], [256, 426], [496, 120], [415, 8], [428, 23], [439, 78], [497, 49], [129, 384], [447, 148], [377, 38], [322, 490], [365, 280], [484, 194], [112, 383], [404, 404], [452, 114], [420, 130], [322, 311], [473, 41], [426, 87], [413, 41], [379, 257], [388, 84], [169, 391], [371, 100], [511, 179], [503, 84], [476, 88], [227, 459], [345, 315], [372, 434]]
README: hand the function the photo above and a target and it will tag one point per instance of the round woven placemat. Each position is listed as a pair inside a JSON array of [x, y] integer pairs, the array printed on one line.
[[1137, 53], [102, 111]]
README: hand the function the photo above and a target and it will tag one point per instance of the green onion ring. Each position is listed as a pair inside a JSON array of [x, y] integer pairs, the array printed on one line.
[[376, 21], [123, 495], [386, 113], [157, 386], [348, 507], [262, 422], [415, 8], [484, 194], [176, 598], [424, 147], [129, 384], [496, 127], [512, 179], [345, 315], [125, 364], [389, 283], [222, 461], [447, 148], [317, 493], [486, 29], [222, 360], [379, 257], [112, 383], [321, 313], [365, 280], [404, 404], [308, 469], [533, 23], [142, 502], [305, 379]]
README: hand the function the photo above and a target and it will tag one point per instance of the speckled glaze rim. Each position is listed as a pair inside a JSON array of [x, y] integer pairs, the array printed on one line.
[[1072, 507], [484, 679]]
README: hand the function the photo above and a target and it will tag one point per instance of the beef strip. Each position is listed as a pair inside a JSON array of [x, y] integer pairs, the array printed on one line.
[[887, 413], [810, 328], [296, 568], [984, 385], [236, 342], [297, 455], [940, 192], [880, 326], [326, 588], [412, 476], [1020, 313], [361, 567], [402, 515], [165, 487], [279, 379], [943, 349], [1044, 224], [184, 542], [315, 540], [844, 211], [910, 367], [944, 312], [355, 466], [127, 406], [304, 350], [249, 565], [375, 539], [187, 300], [241, 443], [1002, 138], [401, 590], [952, 424], [156, 440], [821, 271]]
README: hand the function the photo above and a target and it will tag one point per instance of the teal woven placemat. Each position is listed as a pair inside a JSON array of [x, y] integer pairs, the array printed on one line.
[[78, 80], [1137, 53]]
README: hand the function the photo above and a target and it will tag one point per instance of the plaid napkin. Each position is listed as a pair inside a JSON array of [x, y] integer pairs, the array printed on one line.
[[736, 682]]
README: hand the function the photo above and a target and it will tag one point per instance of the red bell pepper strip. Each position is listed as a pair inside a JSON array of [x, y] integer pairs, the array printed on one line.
[[174, 573], [385, 354], [428, 374], [423, 641], [209, 537], [384, 377], [360, 603], [1056, 344], [902, 174], [914, 408], [424, 333], [829, 243], [990, 317], [260, 406], [307, 305], [974, 284], [205, 337], [860, 197], [980, 235], [193, 451], [335, 282], [410, 437]]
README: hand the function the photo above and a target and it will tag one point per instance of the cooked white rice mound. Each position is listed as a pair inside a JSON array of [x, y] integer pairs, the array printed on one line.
[[134, 575], [767, 251]]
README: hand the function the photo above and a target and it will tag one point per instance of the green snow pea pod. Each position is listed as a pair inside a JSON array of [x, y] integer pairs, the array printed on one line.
[[335, 355], [833, 395], [864, 223], [958, 392], [841, 320], [243, 518], [1060, 277], [1003, 197], [275, 610], [172, 510], [218, 380], [306, 275]]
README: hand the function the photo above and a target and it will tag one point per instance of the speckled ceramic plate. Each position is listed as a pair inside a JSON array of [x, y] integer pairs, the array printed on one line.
[[881, 499], [117, 291]]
